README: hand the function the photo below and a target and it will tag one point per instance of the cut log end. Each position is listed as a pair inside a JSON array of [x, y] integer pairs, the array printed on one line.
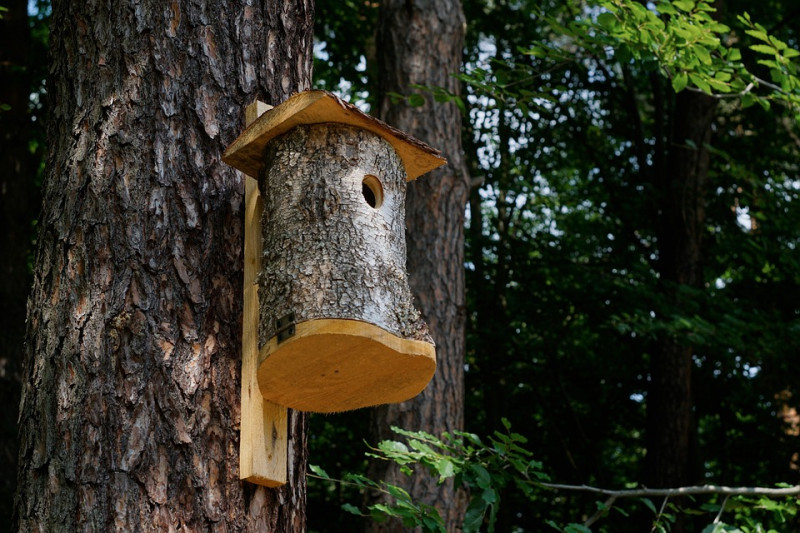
[[333, 365]]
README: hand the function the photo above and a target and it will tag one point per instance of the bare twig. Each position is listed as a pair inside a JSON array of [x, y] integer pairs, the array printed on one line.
[[607, 505], [721, 510], [681, 491], [660, 512]]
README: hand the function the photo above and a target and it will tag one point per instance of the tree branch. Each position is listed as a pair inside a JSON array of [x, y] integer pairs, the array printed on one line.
[[681, 491], [608, 504]]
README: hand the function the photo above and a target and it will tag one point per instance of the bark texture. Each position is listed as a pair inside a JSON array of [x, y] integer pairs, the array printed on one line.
[[327, 252], [129, 415], [18, 204], [682, 183], [421, 43]]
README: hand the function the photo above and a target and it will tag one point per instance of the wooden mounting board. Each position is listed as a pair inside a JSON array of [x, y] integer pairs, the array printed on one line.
[[317, 107], [333, 365], [263, 439]]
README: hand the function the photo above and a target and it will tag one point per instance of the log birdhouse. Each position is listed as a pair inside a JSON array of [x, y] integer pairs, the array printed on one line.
[[335, 323]]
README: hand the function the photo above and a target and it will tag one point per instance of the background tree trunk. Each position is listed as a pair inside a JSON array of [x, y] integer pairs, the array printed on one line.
[[129, 416], [421, 43], [17, 210], [682, 186]]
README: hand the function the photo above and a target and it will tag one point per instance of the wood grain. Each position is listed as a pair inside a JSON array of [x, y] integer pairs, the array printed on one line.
[[319, 107], [332, 365], [263, 441]]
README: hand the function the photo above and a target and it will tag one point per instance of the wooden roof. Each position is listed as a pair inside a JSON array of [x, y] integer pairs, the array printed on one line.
[[318, 107]]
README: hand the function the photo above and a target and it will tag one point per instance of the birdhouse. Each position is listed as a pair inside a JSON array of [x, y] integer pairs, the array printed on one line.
[[336, 325]]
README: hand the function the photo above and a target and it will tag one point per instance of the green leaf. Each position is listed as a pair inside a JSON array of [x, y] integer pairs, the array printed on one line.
[[416, 100], [649, 504], [722, 76], [385, 510], [535, 51], [684, 5], [607, 20], [621, 511], [700, 82], [623, 54], [577, 528], [392, 446], [719, 85], [718, 27], [319, 471], [482, 477], [489, 496], [398, 493], [714, 528], [352, 509], [764, 49], [679, 81], [473, 518], [445, 469], [790, 53], [501, 77], [702, 54], [682, 32]]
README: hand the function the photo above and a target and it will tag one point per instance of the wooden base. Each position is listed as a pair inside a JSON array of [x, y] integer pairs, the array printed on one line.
[[332, 365], [263, 440]]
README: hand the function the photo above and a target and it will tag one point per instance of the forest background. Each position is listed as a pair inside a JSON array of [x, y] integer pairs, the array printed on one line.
[[591, 253]]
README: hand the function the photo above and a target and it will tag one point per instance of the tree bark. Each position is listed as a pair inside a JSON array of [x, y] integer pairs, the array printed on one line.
[[328, 253], [130, 408], [17, 211], [421, 43], [682, 187]]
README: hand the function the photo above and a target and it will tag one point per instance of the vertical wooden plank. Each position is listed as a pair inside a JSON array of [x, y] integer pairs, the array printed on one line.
[[263, 439]]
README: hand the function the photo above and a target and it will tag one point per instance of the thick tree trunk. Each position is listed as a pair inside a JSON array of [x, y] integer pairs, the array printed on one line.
[[17, 211], [682, 188], [421, 43], [129, 417]]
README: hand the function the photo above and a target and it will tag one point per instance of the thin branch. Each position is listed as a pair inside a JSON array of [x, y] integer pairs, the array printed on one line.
[[660, 512], [607, 505], [721, 510], [749, 88], [681, 491], [350, 483]]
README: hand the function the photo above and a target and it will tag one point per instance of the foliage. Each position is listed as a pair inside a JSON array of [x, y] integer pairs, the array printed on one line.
[[682, 39], [486, 469], [404, 508], [568, 117], [567, 106], [344, 51], [689, 45]]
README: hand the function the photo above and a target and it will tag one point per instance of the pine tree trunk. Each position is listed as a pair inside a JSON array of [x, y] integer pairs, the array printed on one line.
[[129, 416], [421, 43]]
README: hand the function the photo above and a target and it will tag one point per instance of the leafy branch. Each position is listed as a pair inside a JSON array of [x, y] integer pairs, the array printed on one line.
[[679, 38], [486, 469]]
